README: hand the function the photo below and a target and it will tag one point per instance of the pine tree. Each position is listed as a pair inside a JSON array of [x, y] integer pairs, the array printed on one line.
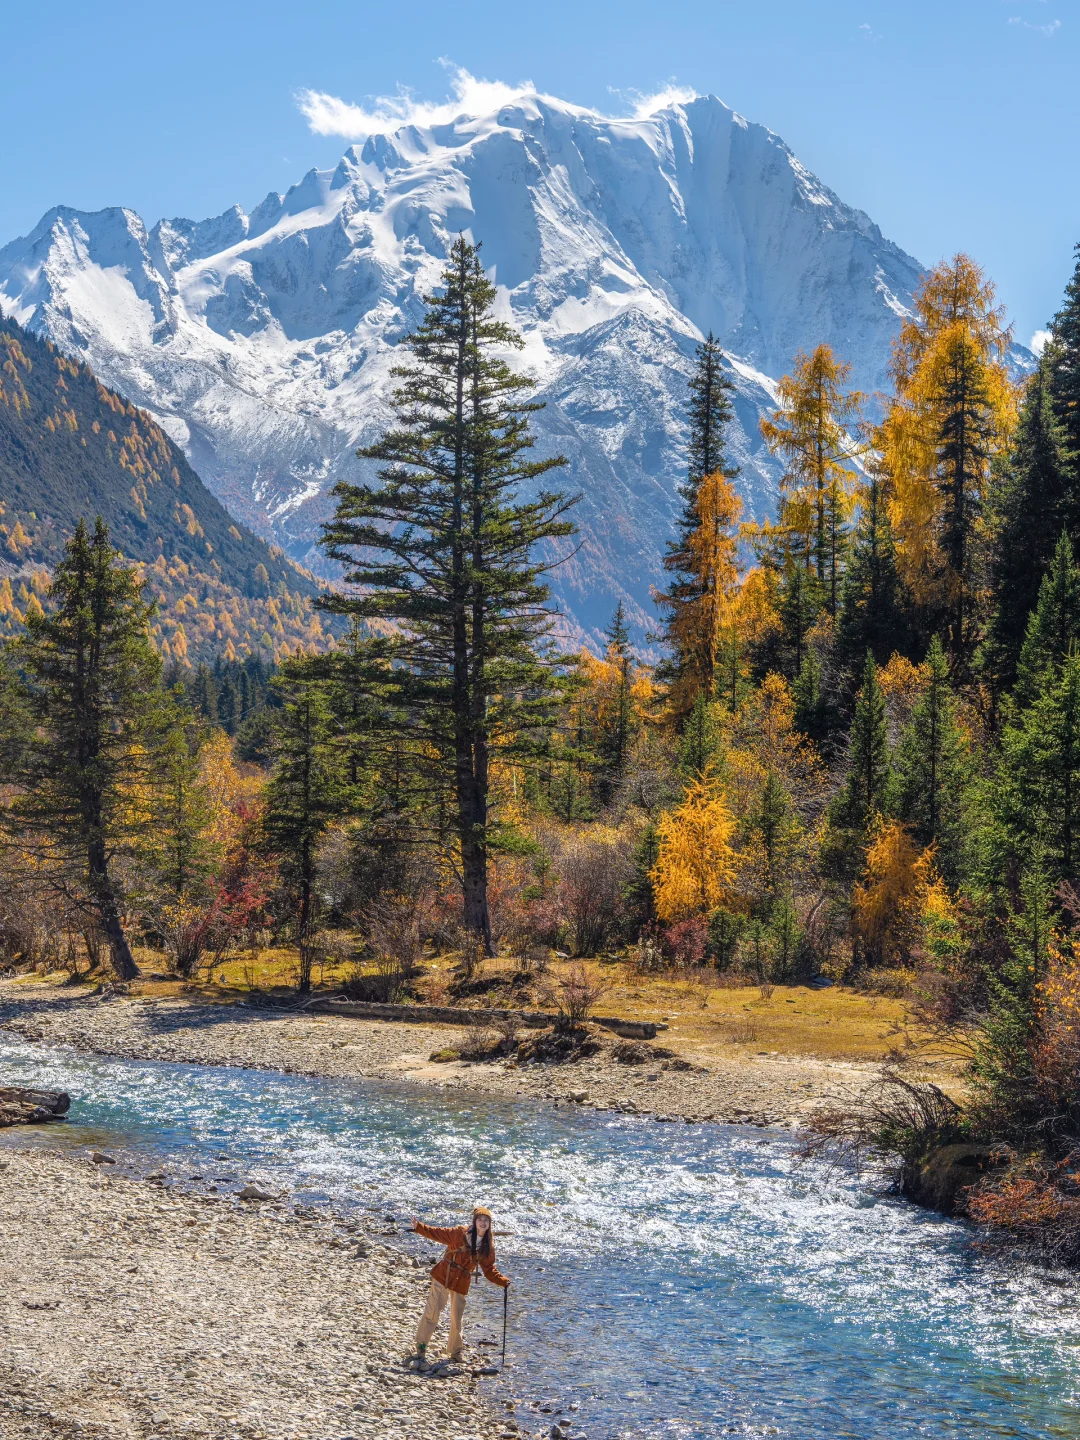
[[1038, 792], [700, 740], [614, 739], [93, 686], [811, 702], [16, 722], [1064, 363], [1053, 626], [800, 606], [931, 768], [703, 559], [443, 556], [809, 431], [1033, 501], [307, 789], [176, 848], [1005, 1101], [775, 825], [869, 773], [873, 616]]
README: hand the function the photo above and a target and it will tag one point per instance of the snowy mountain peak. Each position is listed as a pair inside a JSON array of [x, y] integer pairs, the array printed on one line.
[[263, 342]]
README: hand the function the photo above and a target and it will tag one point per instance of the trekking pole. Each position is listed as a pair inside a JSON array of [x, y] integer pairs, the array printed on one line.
[[506, 1299]]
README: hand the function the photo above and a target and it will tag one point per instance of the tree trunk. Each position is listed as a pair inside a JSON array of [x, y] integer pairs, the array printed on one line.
[[123, 962], [101, 887], [475, 891]]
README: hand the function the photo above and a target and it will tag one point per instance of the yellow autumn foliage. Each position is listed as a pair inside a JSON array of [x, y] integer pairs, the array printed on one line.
[[696, 861]]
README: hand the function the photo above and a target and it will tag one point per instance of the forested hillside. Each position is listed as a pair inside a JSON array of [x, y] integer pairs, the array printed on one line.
[[71, 448]]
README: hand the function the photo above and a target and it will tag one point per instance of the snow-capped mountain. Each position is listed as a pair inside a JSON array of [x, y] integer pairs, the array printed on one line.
[[263, 342]]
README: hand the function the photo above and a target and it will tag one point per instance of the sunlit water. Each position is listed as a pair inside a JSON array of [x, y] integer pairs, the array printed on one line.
[[670, 1280]]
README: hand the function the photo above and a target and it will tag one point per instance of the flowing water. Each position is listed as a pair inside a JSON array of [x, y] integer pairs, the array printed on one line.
[[669, 1280]]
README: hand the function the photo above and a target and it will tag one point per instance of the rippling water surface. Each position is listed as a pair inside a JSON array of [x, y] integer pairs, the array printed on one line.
[[671, 1280]]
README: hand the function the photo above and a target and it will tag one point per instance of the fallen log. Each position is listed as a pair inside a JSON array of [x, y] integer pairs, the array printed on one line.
[[19, 1106], [460, 1015]]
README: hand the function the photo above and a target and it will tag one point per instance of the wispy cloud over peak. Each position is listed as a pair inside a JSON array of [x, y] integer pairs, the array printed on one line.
[[329, 115]]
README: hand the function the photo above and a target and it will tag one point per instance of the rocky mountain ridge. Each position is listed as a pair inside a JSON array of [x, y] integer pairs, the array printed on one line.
[[262, 342]]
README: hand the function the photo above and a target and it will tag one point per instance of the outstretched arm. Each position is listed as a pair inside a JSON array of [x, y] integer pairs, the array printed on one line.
[[442, 1234]]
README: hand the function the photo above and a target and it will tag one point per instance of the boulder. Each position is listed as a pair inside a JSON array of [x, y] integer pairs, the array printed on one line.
[[20, 1106], [252, 1192]]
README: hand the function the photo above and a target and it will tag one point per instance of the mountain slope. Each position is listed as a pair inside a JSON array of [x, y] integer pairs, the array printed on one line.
[[263, 342], [71, 448]]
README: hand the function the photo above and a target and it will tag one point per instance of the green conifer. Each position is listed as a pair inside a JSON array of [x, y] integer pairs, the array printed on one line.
[[1038, 791], [873, 616], [689, 666], [1065, 369], [307, 790], [93, 688], [869, 774], [1053, 627], [932, 768], [812, 710], [1033, 502], [443, 555], [700, 740]]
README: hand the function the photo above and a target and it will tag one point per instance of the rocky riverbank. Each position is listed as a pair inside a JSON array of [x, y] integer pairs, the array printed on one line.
[[756, 1089], [129, 1311]]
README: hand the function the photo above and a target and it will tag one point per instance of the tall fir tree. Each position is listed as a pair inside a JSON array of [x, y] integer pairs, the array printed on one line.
[[702, 560], [307, 790], [931, 767], [615, 734], [1033, 500], [867, 786], [1037, 795], [700, 740], [443, 555], [1064, 365], [1053, 627], [873, 616], [812, 709], [93, 686]]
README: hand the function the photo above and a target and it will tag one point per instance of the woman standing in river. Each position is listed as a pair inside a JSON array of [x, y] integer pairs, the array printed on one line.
[[466, 1250]]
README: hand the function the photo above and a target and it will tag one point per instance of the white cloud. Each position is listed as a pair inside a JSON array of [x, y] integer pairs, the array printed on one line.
[[1042, 29], [329, 115], [646, 105], [1038, 342]]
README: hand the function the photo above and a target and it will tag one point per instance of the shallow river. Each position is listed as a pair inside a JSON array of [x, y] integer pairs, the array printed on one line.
[[670, 1280]]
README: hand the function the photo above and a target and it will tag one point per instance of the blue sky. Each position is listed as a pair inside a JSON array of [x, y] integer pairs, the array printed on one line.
[[955, 125]]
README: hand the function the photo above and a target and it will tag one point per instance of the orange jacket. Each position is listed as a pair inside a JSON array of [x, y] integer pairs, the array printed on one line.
[[457, 1267]]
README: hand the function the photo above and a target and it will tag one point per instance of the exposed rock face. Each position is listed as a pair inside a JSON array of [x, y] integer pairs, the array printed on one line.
[[938, 1179], [31, 1107], [263, 342]]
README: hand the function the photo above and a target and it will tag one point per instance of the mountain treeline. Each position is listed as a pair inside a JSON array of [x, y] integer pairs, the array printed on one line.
[[859, 758], [70, 448]]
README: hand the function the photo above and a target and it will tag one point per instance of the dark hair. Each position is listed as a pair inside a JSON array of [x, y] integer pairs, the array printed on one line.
[[485, 1244]]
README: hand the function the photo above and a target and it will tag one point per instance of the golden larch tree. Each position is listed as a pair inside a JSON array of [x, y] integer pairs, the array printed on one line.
[[954, 409], [695, 863]]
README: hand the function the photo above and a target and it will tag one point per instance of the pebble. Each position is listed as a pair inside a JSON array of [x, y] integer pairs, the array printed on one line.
[[734, 1090], [132, 1325]]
